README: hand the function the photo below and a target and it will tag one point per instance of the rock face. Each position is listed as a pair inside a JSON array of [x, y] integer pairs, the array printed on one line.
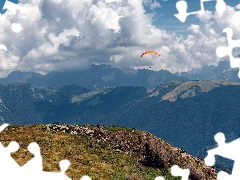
[[145, 147]]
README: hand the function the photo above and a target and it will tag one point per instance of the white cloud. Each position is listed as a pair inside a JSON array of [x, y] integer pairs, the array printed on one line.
[[8, 61], [116, 58], [154, 5], [166, 49], [237, 7], [70, 34]]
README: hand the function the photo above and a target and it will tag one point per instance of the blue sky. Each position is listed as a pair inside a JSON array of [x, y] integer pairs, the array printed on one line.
[[60, 35]]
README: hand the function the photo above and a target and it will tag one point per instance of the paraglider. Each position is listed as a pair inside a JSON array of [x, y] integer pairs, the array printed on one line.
[[150, 52]]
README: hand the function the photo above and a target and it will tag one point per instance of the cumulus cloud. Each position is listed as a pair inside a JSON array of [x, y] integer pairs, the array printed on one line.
[[154, 5], [71, 35], [237, 7]]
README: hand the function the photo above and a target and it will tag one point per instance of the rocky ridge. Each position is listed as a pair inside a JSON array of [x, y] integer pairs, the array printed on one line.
[[145, 147]]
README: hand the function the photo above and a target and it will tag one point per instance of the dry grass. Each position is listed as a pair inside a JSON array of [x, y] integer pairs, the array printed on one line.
[[89, 155], [98, 163]]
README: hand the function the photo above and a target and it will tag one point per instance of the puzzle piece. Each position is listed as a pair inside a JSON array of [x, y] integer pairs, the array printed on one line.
[[227, 150], [16, 27], [7, 163], [2, 46], [227, 50], [13, 8], [220, 6], [177, 171], [35, 164], [182, 6], [85, 178], [33, 169], [3, 126], [159, 178]]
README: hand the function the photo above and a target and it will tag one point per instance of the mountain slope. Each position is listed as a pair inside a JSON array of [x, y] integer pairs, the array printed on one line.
[[187, 115], [94, 104], [104, 152], [18, 77], [19, 101], [190, 89], [189, 123]]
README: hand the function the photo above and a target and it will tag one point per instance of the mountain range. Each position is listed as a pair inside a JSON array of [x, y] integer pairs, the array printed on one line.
[[222, 71], [98, 76], [184, 109]]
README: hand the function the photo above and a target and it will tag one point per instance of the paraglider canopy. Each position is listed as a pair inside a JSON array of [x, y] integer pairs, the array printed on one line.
[[150, 52]]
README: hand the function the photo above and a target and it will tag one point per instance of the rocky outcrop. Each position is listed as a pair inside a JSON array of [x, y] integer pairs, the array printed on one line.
[[145, 147]]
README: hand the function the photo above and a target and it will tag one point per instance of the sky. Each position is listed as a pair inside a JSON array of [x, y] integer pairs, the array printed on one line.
[[63, 35]]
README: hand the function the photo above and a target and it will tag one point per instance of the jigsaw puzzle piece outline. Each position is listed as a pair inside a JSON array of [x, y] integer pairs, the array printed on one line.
[[227, 150], [182, 7], [13, 8], [222, 51], [177, 171], [7, 163], [29, 171]]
